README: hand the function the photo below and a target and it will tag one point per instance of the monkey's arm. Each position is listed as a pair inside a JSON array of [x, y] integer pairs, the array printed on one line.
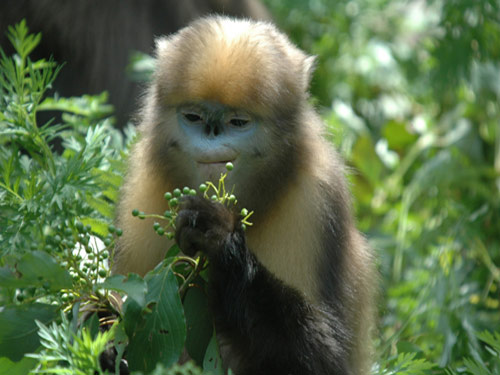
[[268, 325]]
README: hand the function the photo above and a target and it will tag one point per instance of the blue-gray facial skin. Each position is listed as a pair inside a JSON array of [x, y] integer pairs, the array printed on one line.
[[215, 134]]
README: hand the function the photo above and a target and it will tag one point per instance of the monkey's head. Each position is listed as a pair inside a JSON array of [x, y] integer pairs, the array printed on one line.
[[228, 90]]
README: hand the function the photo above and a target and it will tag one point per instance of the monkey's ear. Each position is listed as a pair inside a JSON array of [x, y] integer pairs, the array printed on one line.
[[309, 66], [161, 45]]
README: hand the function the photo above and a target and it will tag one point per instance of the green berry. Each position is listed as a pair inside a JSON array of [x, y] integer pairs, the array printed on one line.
[[243, 226], [232, 198], [84, 240], [104, 254], [119, 232], [168, 195], [68, 231], [169, 235], [160, 231], [174, 202], [213, 197], [186, 190], [229, 166], [142, 215], [244, 212], [102, 273], [202, 188], [135, 212], [57, 239], [111, 228], [88, 228], [156, 225], [79, 226], [107, 241], [192, 192], [177, 192], [168, 214]]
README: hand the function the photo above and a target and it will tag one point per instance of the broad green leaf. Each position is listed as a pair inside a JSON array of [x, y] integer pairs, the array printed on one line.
[[198, 322], [37, 268], [157, 335], [132, 285], [18, 331], [212, 362], [22, 367]]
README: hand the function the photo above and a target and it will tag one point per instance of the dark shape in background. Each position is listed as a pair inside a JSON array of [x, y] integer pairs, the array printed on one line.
[[95, 39]]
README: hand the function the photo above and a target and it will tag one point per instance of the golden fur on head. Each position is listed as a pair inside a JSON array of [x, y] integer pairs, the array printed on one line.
[[232, 62]]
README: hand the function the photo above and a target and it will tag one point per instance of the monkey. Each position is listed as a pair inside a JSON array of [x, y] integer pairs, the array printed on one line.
[[95, 39], [294, 293]]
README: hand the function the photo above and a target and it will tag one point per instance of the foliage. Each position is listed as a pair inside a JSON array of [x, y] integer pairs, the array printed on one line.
[[410, 92], [67, 352], [61, 310]]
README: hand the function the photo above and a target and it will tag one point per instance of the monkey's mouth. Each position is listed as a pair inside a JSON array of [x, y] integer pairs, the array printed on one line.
[[224, 162], [212, 170]]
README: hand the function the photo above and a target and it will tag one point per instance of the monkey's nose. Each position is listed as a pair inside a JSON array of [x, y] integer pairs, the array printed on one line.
[[213, 129]]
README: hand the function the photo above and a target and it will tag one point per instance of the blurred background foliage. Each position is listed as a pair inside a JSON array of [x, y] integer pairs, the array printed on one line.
[[410, 91]]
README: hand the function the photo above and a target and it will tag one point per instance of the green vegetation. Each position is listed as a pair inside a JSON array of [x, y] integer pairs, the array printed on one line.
[[411, 94], [410, 91]]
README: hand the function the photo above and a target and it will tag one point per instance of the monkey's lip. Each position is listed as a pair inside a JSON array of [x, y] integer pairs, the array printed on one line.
[[212, 170], [222, 162]]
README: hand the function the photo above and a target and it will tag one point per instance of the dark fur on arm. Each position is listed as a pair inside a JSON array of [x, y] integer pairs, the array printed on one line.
[[268, 325]]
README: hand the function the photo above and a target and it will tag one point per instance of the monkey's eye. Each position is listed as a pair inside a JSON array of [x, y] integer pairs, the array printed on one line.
[[192, 117], [239, 122]]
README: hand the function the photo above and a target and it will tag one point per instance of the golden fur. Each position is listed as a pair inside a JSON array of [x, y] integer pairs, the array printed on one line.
[[240, 64]]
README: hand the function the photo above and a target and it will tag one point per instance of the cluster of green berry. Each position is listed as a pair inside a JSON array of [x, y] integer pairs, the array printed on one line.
[[92, 255], [84, 255], [173, 198]]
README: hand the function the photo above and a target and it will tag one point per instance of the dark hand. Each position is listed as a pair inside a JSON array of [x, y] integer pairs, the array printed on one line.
[[203, 225]]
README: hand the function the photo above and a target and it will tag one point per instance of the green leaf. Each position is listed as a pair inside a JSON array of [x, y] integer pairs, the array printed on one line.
[[37, 268], [18, 331], [397, 135], [366, 160], [212, 362], [492, 339], [101, 206], [156, 335], [475, 368], [132, 285], [98, 226], [23, 367], [198, 322]]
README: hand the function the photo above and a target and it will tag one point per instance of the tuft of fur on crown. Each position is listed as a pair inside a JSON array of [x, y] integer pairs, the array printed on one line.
[[238, 63]]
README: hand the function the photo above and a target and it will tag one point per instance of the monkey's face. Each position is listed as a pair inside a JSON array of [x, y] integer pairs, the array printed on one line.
[[212, 134]]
